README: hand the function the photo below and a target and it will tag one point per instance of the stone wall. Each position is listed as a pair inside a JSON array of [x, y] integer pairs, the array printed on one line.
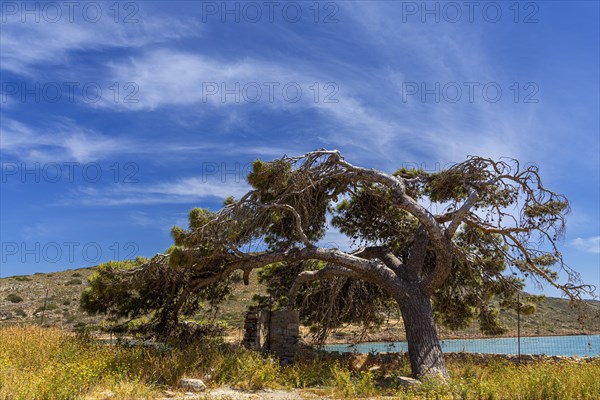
[[285, 334], [276, 332], [255, 330]]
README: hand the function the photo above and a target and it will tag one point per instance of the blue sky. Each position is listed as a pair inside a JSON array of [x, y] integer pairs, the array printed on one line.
[[117, 119]]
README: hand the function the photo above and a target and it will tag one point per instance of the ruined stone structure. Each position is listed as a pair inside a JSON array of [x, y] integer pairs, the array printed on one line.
[[276, 332]]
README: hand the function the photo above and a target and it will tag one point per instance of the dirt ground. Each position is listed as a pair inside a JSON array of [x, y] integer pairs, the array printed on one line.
[[227, 393]]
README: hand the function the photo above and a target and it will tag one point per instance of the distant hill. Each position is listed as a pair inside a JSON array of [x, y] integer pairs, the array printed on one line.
[[22, 300]]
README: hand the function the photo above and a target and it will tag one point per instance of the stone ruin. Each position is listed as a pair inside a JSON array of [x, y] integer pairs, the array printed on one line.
[[275, 332]]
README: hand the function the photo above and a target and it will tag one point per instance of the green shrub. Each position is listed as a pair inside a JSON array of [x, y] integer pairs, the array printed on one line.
[[349, 384], [20, 312], [76, 275], [73, 282], [13, 298], [49, 307], [66, 302], [22, 278]]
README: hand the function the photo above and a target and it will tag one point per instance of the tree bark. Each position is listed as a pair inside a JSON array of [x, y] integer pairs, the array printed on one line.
[[424, 350]]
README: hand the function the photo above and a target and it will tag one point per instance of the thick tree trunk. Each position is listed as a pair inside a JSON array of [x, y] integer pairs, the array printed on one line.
[[424, 350]]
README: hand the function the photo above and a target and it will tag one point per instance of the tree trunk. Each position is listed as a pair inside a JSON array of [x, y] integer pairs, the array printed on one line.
[[424, 350]]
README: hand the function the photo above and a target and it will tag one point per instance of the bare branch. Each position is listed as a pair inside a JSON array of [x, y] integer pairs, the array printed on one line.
[[297, 219], [458, 217]]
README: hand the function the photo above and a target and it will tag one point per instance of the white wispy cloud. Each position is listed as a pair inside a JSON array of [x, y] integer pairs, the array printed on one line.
[[175, 78], [61, 139], [172, 78], [183, 190], [167, 77], [589, 245], [27, 48], [434, 53], [370, 121], [179, 78], [41, 230]]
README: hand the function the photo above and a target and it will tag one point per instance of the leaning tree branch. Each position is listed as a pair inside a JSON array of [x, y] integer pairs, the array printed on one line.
[[458, 217], [365, 269], [297, 221], [382, 253], [330, 271], [436, 233]]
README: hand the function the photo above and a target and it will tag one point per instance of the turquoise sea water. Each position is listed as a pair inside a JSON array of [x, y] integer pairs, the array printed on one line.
[[576, 345]]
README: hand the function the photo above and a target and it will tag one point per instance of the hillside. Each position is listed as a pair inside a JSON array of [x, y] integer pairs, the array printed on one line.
[[22, 298], [22, 301]]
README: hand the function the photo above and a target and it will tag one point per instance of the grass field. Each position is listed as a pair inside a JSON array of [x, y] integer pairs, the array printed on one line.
[[50, 363]]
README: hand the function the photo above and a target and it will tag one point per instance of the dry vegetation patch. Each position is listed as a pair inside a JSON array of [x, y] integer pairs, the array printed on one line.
[[49, 363]]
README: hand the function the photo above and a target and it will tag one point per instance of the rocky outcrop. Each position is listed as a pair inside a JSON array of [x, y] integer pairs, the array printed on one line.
[[192, 385]]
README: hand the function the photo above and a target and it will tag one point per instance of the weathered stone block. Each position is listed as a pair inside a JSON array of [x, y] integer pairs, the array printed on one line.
[[277, 332], [194, 385]]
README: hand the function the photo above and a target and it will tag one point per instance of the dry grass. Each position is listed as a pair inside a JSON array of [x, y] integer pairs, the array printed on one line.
[[49, 363]]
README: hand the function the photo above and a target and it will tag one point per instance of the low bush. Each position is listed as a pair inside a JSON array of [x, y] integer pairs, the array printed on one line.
[[49, 307], [20, 312], [13, 298]]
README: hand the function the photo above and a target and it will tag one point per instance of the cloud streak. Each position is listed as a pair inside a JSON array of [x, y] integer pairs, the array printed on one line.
[[184, 190], [26, 48], [59, 140], [589, 245]]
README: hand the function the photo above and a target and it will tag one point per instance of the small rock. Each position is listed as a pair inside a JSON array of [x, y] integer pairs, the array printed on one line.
[[194, 385], [408, 382]]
